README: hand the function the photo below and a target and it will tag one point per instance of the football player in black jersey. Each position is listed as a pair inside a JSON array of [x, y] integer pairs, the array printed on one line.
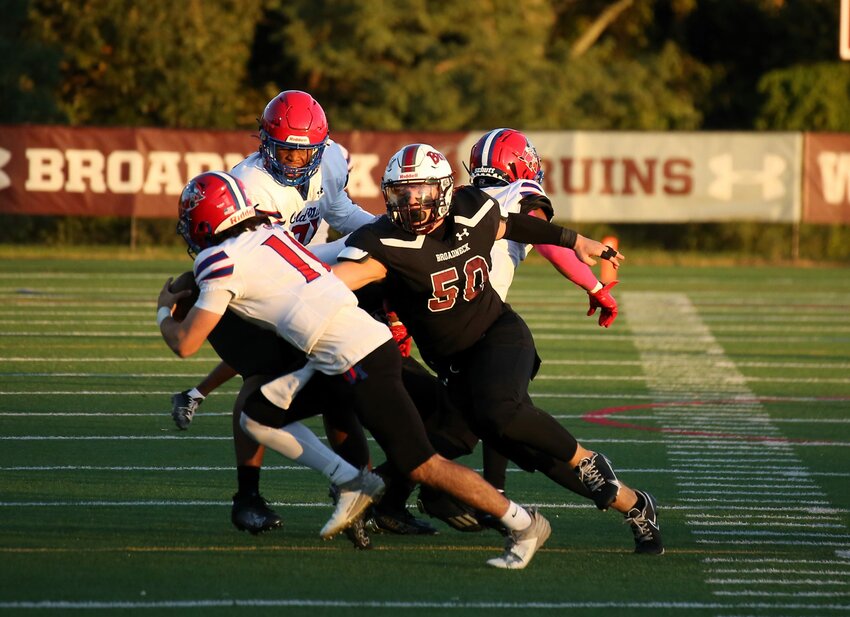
[[432, 253], [349, 357]]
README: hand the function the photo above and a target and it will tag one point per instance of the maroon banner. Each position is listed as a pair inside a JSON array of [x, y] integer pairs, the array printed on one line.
[[140, 172], [109, 172], [826, 178]]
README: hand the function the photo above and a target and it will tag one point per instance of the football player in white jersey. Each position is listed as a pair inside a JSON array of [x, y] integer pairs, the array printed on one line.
[[353, 357], [506, 165], [304, 305], [298, 177]]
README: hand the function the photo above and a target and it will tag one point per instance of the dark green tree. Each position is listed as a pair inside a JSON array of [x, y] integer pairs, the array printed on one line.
[[152, 63], [805, 98], [412, 64], [29, 72]]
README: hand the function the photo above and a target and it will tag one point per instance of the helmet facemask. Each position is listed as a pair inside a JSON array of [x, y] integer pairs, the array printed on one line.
[[274, 153], [417, 207]]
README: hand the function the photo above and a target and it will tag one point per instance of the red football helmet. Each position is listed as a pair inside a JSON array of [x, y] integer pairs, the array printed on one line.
[[211, 203], [503, 156], [417, 187], [293, 120]]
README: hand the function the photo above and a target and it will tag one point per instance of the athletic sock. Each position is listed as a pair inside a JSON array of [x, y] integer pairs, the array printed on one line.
[[516, 518], [195, 393], [248, 479]]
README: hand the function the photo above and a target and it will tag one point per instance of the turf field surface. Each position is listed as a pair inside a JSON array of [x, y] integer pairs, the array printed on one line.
[[724, 391]]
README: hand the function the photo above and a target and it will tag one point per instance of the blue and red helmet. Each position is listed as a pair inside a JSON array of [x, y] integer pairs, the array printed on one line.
[[503, 156], [293, 120], [211, 203]]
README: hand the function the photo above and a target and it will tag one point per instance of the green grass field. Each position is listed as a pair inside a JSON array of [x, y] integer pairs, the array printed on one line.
[[725, 391]]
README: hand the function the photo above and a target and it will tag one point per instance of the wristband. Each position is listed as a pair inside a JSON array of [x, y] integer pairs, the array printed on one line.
[[568, 238], [162, 314]]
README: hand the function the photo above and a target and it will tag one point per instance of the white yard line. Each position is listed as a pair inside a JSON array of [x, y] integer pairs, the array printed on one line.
[[694, 362], [401, 605]]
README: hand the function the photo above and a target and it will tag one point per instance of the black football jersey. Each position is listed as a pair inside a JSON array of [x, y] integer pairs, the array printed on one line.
[[438, 283]]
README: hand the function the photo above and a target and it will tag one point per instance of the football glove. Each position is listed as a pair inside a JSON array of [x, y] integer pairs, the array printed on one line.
[[400, 334], [603, 300]]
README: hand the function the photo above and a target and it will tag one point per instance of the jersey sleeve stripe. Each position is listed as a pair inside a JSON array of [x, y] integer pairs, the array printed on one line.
[[211, 260], [216, 274], [529, 187]]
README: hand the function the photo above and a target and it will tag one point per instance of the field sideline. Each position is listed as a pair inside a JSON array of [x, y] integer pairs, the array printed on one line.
[[724, 391]]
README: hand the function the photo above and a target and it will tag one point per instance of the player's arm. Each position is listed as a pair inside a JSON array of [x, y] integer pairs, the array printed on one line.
[[345, 216], [568, 264], [357, 274], [185, 337], [341, 213], [564, 260], [530, 230]]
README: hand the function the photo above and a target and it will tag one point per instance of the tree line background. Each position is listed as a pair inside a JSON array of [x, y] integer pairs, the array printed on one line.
[[430, 65]]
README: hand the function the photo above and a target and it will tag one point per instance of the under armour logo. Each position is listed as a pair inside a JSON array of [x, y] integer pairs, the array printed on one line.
[[726, 177], [463, 234], [5, 157]]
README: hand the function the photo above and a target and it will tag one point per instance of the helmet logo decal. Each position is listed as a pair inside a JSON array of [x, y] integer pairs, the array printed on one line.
[[435, 156], [530, 158], [194, 194]]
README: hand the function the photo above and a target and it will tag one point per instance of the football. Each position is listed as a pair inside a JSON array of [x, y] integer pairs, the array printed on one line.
[[184, 305]]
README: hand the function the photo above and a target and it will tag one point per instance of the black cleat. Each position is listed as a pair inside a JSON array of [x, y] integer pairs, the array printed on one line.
[[183, 408], [399, 522], [358, 535], [251, 513], [644, 523], [357, 532], [597, 476]]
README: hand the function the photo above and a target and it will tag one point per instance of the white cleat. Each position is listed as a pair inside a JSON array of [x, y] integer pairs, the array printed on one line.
[[354, 497], [520, 546]]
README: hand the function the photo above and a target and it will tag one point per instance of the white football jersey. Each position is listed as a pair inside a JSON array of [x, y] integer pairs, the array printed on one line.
[[506, 255], [278, 284], [326, 200]]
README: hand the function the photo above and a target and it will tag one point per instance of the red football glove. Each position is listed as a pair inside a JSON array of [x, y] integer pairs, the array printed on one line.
[[400, 335], [603, 299]]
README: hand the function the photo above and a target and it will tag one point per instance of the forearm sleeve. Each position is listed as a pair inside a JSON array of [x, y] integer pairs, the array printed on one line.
[[532, 230]]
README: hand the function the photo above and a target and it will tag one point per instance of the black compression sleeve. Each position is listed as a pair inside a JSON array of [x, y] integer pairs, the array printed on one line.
[[532, 230]]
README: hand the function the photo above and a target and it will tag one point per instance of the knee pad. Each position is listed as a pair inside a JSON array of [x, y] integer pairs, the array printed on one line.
[[258, 408]]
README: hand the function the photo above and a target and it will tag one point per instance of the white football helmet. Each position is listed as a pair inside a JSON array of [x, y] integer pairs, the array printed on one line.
[[418, 187]]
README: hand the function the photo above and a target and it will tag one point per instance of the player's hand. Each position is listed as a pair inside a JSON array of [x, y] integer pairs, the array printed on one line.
[[603, 300], [168, 298], [400, 334], [586, 249]]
